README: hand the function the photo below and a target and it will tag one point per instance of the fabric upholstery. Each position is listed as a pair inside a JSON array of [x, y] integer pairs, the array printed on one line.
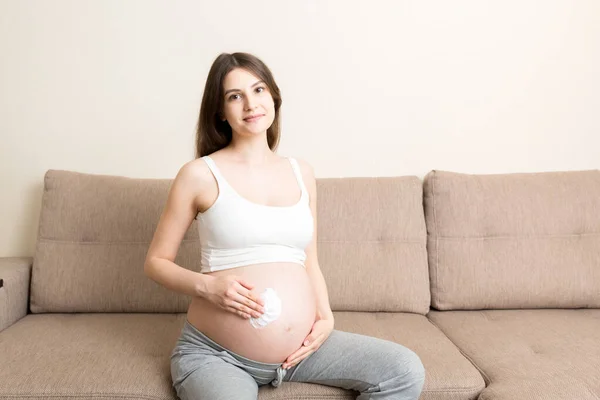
[[126, 355], [93, 237], [449, 375], [372, 244], [522, 240], [529, 354], [95, 231], [15, 273]]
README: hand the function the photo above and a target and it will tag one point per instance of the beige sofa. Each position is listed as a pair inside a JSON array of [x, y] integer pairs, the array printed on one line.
[[493, 280]]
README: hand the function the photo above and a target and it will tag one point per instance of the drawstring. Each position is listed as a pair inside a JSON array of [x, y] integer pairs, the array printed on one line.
[[280, 374]]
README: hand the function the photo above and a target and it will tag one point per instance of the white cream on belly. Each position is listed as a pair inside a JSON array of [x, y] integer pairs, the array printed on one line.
[[272, 309]]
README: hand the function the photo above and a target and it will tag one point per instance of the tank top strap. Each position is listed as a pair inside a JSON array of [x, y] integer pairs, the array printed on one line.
[[221, 182], [298, 175]]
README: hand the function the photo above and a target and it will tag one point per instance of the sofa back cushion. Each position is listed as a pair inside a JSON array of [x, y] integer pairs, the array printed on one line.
[[95, 231], [372, 243], [520, 240]]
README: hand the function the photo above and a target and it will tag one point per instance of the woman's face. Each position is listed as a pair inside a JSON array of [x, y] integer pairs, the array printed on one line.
[[248, 105]]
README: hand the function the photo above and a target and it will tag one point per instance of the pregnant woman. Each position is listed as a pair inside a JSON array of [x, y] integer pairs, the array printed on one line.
[[260, 312]]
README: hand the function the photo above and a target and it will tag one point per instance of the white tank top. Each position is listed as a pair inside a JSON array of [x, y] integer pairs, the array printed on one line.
[[235, 232]]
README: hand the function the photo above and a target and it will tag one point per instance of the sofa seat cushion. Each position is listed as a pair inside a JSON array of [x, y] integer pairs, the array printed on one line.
[[449, 375], [116, 356], [107, 356], [529, 354], [88, 356]]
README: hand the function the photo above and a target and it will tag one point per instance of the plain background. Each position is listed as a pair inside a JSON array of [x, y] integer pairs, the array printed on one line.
[[370, 88]]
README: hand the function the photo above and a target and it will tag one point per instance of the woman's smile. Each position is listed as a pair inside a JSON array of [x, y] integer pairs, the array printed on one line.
[[253, 118]]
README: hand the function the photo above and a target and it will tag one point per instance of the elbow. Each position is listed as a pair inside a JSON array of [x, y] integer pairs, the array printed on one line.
[[148, 267]]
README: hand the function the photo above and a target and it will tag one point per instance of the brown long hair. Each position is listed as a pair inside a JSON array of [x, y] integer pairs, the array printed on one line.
[[212, 133]]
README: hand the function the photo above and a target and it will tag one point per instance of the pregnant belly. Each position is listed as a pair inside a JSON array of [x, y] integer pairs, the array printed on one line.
[[274, 342]]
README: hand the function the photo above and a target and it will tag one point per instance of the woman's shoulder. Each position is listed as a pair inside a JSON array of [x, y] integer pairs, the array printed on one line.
[[307, 171], [195, 174], [305, 167]]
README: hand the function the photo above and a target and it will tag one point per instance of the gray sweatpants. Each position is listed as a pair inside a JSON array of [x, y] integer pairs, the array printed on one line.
[[378, 369]]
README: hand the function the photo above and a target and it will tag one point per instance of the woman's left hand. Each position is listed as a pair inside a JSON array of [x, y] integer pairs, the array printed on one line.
[[320, 331]]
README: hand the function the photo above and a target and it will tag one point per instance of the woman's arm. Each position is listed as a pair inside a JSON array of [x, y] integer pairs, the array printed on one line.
[[175, 220]]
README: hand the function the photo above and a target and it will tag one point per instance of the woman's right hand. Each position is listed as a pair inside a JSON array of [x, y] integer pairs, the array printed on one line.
[[232, 293]]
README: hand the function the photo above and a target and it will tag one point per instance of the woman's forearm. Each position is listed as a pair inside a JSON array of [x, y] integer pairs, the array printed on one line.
[[176, 278]]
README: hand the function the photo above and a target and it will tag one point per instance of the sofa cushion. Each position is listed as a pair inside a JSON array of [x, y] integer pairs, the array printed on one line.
[[108, 356], [88, 356], [95, 231], [522, 240], [15, 273], [117, 356], [372, 243], [529, 354], [448, 375]]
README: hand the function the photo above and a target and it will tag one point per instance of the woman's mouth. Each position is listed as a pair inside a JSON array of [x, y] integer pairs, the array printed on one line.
[[254, 118]]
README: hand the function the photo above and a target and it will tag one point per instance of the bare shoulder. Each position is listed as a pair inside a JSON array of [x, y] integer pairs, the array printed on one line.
[[194, 174], [195, 181], [306, 169], [308, 176]]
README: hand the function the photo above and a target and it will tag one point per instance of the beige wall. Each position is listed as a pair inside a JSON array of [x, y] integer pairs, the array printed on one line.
[[370, 88]]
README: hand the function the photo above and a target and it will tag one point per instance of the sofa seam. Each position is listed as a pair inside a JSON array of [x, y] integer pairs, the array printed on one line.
[[437, 235], [473, 389], [521, 236], [486, 378]]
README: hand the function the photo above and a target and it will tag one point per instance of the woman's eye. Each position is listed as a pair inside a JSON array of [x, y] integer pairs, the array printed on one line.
[[260, 89], [233, 97]]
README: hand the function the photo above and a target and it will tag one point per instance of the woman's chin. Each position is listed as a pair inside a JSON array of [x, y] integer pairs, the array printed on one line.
[[255, 132], [254, 129]]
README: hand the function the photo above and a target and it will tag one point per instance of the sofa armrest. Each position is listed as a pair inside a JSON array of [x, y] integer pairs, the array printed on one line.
[[15, 274]]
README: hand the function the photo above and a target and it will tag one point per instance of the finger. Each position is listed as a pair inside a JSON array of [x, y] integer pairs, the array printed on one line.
[[305, 349], [248, 303], [298, 360], [300, 354], [292, 357], [309, 340], [255, 299], [246, 310], [238, 312], [244, 283], [297, 353], [245, 291]]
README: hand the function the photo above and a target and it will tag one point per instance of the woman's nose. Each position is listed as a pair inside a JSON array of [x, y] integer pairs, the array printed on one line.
[[250, 104]]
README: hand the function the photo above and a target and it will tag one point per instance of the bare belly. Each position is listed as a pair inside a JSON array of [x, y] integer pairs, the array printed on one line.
[[276, 341]]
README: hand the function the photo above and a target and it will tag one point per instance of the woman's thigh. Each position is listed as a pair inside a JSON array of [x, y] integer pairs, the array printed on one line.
[[361, 363], [211, 378]]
